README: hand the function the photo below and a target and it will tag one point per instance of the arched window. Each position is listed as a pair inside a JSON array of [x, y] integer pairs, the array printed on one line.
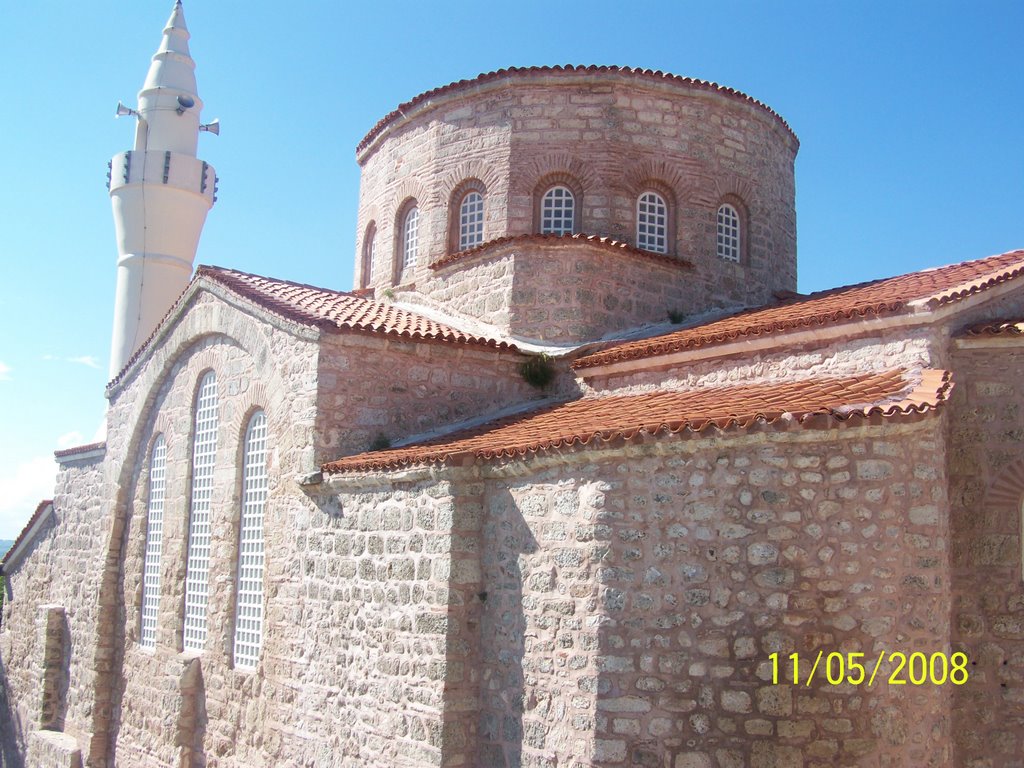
[[652, 223], [369, 253], [471, 221], [728, 233], [410, 237], [557, 211], [154, 542], [197, 572], [249, 610]]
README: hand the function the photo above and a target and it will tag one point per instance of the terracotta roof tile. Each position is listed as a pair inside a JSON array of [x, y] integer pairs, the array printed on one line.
[[603, 419], [889, 296], [78, 449], [606, 243], [996, 328], [511, 72], [324, 308], [40, 511]]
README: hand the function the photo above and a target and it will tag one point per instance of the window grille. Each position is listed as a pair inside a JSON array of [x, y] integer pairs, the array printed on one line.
[[652, 223], [197, 575], [558, 210], [154, 543], [410, 237], [249, 613], [471, 221], [728, 233]]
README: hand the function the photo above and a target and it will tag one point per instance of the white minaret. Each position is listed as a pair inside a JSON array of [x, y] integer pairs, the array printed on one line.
[[160, 194]]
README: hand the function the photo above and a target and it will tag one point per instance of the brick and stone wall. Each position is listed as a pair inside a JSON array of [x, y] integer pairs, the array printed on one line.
[[986, 468], [563, 292], [51, 612], [609, 137]]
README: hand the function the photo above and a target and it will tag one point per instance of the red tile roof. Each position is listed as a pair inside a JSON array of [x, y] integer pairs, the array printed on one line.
[[78, 449], [327, 309], [514, 72], [598, 420], [40, 511], [606, 243], [889, 296], [996, 328]]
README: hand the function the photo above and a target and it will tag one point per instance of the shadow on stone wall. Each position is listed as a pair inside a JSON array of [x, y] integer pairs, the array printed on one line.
[[10, 729], [506, 536]]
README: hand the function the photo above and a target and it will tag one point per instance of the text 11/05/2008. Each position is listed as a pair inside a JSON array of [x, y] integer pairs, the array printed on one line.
[[851, 667]]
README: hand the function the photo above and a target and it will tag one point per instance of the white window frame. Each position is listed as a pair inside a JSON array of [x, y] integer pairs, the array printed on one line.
[[154, 544], [729, 232], [558, 211], [652, 222], [410, 237], [251, 555], [471, 220], [197, 571]]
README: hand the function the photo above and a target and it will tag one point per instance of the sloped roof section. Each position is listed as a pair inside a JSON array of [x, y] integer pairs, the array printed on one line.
[[324, 308], [609, 244], [31, 527], [890, 296], [596, 420], [339, 310]]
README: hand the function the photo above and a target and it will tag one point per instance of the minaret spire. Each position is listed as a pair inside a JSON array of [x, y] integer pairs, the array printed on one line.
[[161, 193]]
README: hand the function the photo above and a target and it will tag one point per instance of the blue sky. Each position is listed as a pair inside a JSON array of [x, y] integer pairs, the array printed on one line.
[[909, 114]]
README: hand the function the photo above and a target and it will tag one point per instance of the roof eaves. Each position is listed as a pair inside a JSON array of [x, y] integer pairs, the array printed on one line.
[[27, 535]]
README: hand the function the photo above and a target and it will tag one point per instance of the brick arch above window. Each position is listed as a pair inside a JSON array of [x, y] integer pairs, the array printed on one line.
[[1007, 490]]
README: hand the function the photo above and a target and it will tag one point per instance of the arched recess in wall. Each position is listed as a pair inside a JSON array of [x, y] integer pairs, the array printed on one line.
[[1006, 495], [153, 382], [467, 216], [536, 176], [408, 240], [738, 194], [368, 254], [655, 213]]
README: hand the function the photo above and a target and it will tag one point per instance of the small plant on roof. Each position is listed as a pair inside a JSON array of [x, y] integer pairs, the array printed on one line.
[[380, 442], [538, 371], [387, 293], [676, 316]]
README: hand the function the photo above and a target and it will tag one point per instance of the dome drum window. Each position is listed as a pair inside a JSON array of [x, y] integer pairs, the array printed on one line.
[[471, 221], [652, 223], [728, 233], [558, 212]]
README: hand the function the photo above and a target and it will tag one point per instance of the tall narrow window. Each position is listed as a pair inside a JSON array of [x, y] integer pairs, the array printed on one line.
[[471, 221], [154, 542], [197, 575], [557, 212], [410, 237], [728, 233], [369, 253], [249, 613], [652, 223]]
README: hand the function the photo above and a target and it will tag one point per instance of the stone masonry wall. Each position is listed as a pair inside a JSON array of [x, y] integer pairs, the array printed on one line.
[[633, 599], [986, 468], [61, 568], [186, 708], [370, 389], [563, 292], [607, 136]]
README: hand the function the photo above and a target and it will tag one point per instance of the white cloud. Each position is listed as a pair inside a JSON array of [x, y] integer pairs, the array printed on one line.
[[87, 360], [5, 372], [21, 490], [100, 435]]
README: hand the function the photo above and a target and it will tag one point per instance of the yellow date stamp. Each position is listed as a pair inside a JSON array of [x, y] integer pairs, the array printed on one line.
[[837, 668]]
